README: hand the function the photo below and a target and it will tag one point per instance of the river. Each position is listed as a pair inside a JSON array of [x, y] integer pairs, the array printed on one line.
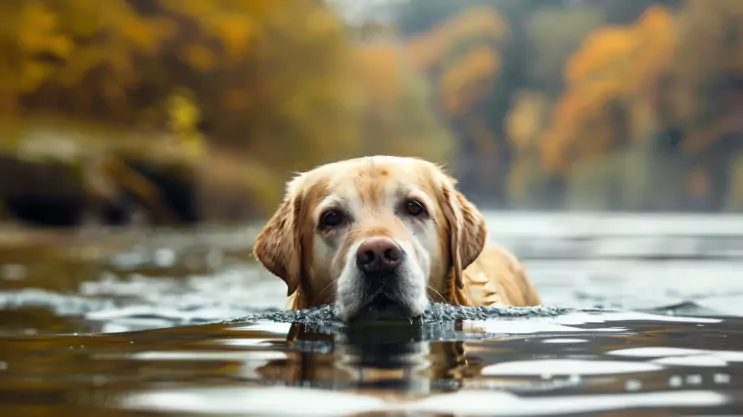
[[132, 323]]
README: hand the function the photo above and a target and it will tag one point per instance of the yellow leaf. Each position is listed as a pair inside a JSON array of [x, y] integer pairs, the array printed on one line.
[[199, 56]]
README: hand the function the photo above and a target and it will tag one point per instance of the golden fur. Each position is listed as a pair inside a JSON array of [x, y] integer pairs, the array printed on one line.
[[465, 269]]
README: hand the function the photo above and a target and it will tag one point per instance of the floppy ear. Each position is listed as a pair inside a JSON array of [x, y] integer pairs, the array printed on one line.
[[467, 231], [278, 246]]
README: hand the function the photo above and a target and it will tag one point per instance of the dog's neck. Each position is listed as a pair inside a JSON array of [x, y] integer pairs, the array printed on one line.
[[297, 301], [454, 295]]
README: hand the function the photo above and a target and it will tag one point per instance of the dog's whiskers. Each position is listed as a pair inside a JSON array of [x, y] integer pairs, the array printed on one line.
[[325, 288], [437, 293]]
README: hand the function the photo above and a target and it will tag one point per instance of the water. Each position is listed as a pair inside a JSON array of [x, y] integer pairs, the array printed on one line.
[[132, 323]]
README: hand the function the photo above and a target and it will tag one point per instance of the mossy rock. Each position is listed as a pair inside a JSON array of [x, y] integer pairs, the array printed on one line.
[[41, 193]]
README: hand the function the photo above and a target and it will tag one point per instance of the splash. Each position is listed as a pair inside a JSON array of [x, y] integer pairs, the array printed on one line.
[[327, 315]]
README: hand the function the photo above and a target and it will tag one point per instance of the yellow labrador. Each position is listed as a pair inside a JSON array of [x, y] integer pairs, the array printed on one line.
[[386, 235]]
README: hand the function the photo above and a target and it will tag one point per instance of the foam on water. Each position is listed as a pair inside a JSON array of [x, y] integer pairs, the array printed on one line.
[[327, 316]]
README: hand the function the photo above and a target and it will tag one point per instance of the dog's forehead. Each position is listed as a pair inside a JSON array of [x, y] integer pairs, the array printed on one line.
[[372, 179], [377, 165]]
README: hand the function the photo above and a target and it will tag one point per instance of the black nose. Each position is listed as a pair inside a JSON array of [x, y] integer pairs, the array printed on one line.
[[378, 254]]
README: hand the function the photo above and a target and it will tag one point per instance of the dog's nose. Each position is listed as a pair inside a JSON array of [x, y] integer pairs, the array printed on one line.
[[378, 254]]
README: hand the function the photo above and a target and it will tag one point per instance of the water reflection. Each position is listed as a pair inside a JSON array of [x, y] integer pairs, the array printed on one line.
[[109, 328], [275, 368], [441, 369], [375, 358]]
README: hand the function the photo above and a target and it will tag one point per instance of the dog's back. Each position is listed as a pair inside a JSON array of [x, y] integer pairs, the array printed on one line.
[[497, 277]]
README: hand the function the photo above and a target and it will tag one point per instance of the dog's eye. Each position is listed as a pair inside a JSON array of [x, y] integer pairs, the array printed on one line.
[[414, 208], [331, 218]]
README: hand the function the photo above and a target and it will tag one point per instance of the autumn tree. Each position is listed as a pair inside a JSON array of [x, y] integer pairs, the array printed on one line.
[[461, 56], [608, 81], [528, 183], [270, 83], [706, 73], [397, 116], [554, 33], [702, 101]]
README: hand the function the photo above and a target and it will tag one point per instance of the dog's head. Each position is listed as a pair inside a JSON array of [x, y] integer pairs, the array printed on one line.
[[375, 235]]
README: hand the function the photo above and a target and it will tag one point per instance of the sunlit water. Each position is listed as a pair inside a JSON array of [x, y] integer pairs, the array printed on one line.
[[133, 324]]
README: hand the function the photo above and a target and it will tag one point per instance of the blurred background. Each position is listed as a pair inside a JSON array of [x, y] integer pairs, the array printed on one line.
[[174, 112]]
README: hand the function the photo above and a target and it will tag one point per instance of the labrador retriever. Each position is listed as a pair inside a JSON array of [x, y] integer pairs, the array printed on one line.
[[384, 236]]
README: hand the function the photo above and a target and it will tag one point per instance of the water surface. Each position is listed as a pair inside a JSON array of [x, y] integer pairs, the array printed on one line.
[[112, 323]]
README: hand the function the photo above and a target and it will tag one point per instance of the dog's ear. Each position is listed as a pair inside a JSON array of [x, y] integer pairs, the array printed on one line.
[[278, 245], [466, 226]]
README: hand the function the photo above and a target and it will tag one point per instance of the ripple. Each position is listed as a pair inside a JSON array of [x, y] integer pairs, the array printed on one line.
[[273, 401], [567, 367], [208, 356], [506, 404], [728, 355], [682, 356], [564, 340], [694, 360], [259, 401], [652, 352], [599, 316], [265, 327]]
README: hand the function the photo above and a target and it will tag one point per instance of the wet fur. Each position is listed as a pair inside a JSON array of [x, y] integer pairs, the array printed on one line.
[[463, 268]]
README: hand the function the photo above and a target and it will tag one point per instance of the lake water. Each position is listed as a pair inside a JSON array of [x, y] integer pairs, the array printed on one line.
[[130, 323]]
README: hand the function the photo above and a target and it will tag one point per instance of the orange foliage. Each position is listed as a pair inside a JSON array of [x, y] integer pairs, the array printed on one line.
[[379, 69], [698, 102], [467, 80], [468, 72], [602, 60], [464, 50], [525, 120], [269, 78], [477, 22], [657, 37], [397, 115], [575, 118], [614, 66], [619, 60], [35, 28]]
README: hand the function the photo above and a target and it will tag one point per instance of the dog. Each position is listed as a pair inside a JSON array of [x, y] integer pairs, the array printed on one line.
[[383, 236]]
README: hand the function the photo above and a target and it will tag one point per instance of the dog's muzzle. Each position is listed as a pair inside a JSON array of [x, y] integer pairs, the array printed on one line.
[[379, 259]]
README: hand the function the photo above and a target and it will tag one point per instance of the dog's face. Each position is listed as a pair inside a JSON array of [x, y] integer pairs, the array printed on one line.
[[379, 235]]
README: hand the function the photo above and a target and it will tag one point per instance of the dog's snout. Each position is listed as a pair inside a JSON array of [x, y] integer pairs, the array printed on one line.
[[378, 254]]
